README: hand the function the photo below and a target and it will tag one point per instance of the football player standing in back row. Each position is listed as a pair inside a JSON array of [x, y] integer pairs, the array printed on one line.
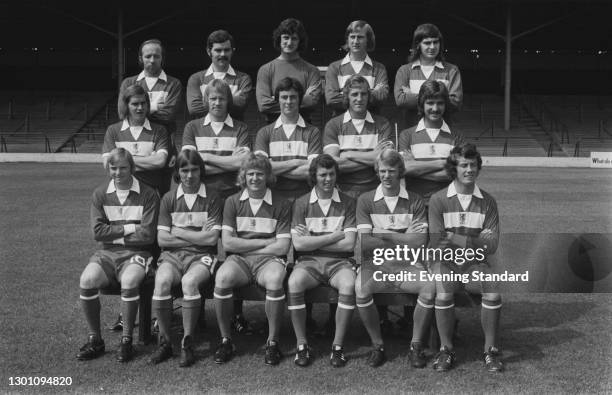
[[220, 49], [359, 40], [426, 64], [289, 38]]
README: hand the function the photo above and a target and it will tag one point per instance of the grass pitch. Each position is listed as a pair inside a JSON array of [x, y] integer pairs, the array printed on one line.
[[552, 342]]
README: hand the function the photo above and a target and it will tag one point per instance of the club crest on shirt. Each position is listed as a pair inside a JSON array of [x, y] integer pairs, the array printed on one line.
[[135, 148], [392, 219], [432, 149], [462, 218], [189, 219], [252, 224], [324, 224], [288, 147], [121, 211], [358, 141], [215, 143]]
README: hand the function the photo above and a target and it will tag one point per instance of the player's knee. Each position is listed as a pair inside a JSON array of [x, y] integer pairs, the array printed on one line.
[[426, 298], [273, 279], [296, 281], [361, 291], [346, 286], [224, 278], [190, 286], [132, 279], [444, 297], [90, 279]]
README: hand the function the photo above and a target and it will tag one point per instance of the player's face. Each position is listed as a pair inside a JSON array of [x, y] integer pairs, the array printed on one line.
[[357, 42], [467, 171], [190, 177], [255, 180], [221, 54], [217, 104], [289, 43], [121, 172], [152, 58], [326, 179], [358, 99], [430, 48], [138, 108], [433, 109], [289, 102], [389, 176]]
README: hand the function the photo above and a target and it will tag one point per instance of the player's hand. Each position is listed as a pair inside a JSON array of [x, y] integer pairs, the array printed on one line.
[[417, 227], [486, 234], [406, 90], [312, 88], [384, 144], [240, 151], [210, 222], [378, 86], [407, 155], [172, 161], [237, 94], [302, 230]]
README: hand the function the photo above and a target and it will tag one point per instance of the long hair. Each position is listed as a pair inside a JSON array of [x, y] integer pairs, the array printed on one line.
[[354, 81], [188, 157], [369, 32], [432, 89], [426, 30], [118, 154], [290, 26], [127, 94], [259, 162]]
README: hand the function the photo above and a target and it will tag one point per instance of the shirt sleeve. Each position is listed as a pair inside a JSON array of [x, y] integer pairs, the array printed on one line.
[[455, 89], [229, 214], [262, 141], [299, 214], [333, 91], [313, 78], [109, 140], [173, 101], [350, 221], [404, 140], [264, 92], [402, 80], [314, 143], [245, 86], [195, 102], [102, 229], [215, 210], [164, 220], [436, 218], [380, 77], [419, 212], [384, 129], [148, 224], [283, 222], [189, 137], [363, 213], [161, 140], [242, 137], [330, 134]]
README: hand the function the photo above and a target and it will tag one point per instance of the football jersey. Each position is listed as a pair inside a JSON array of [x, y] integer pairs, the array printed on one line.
[[273, 218], [152, 139], [109, 216], [373, 211], [199, 135], [303, 143], [418, 141], [340, 216], [175, 212], [341, 132], [447, 214]]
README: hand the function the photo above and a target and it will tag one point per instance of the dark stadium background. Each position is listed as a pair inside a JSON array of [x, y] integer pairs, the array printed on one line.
[[59, 45]]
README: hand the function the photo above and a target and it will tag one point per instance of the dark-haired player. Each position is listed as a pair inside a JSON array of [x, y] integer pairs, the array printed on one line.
[[323, 232], [289, 38], [123, 219], [426, 63], [464, 216], [220, 49], [289, 142], [189, 225]]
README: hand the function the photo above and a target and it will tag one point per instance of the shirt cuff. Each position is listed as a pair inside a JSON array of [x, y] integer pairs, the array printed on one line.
[[283, 236], [364, 226], [228, 228], [128, 229], [119, 241], [331, 146], [166, 228], [350, 229], [191, 147]]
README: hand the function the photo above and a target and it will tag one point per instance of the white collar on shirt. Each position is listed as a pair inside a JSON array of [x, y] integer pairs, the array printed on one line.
[[267, 197], [300, 122], [347, 117], [135, 186], [228, 120], [180, 192], [417, 62], [230, 71], [347, 59], [313, 196], [126, 125], [452, 191], [379, 193], [161, 76], [421, 126]]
